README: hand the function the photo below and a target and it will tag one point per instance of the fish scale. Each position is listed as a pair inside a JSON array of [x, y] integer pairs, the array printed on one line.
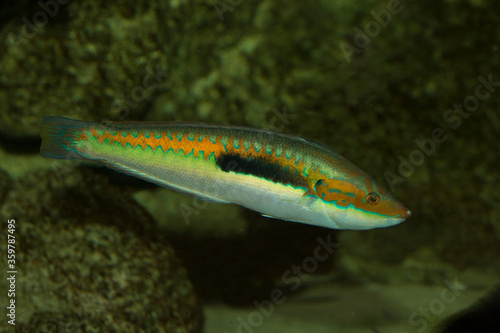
[[280, 176]]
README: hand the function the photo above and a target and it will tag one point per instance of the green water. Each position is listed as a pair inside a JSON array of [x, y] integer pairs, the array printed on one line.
[[409, 91]]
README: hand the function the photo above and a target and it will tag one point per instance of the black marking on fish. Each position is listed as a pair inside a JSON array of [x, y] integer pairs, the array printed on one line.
[[260, 167]]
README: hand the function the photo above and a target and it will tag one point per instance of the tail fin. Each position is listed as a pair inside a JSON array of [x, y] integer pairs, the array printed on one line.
[[59, 135]]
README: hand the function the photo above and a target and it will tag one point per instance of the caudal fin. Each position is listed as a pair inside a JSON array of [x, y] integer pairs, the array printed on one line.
[[59, 135]]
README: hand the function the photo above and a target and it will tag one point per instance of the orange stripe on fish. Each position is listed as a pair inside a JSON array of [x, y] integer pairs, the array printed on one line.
[[279, 175]]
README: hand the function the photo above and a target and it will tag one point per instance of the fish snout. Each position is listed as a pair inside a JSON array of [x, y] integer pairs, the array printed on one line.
[[406, 213]]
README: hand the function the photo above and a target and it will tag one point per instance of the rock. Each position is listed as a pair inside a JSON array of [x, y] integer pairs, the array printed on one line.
[[481, 317], [54, 62], [89, 258], [5, 184]]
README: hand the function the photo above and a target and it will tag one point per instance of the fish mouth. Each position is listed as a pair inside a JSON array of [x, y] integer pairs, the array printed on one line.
[[406, 213], [397, 219]]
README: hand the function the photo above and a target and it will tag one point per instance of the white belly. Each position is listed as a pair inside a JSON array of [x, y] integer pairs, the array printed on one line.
[[273, 199]]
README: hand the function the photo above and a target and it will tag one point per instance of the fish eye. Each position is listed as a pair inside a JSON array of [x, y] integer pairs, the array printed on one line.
[[372, 199]]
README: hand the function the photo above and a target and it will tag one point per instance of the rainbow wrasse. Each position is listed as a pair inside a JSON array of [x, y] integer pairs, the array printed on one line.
[[280, 176]]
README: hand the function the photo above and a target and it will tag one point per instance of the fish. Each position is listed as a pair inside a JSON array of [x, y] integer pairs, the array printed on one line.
[[280, 176]]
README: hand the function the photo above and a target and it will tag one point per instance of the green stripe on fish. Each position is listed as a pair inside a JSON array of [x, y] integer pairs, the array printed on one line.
[[278, 175]]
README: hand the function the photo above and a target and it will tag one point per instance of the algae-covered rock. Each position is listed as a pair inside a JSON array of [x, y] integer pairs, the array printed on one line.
[[5, 184], [89, 259], [90, 59]]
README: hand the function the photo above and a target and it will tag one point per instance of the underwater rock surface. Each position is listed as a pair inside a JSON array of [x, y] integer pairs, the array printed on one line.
[[5, 184], [481, 317], [89, 260], [108, 68]]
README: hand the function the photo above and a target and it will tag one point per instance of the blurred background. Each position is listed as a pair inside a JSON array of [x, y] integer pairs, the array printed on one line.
[[407, 90]]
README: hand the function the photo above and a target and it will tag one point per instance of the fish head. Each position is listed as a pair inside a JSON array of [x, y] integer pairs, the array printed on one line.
[[359, 203]]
